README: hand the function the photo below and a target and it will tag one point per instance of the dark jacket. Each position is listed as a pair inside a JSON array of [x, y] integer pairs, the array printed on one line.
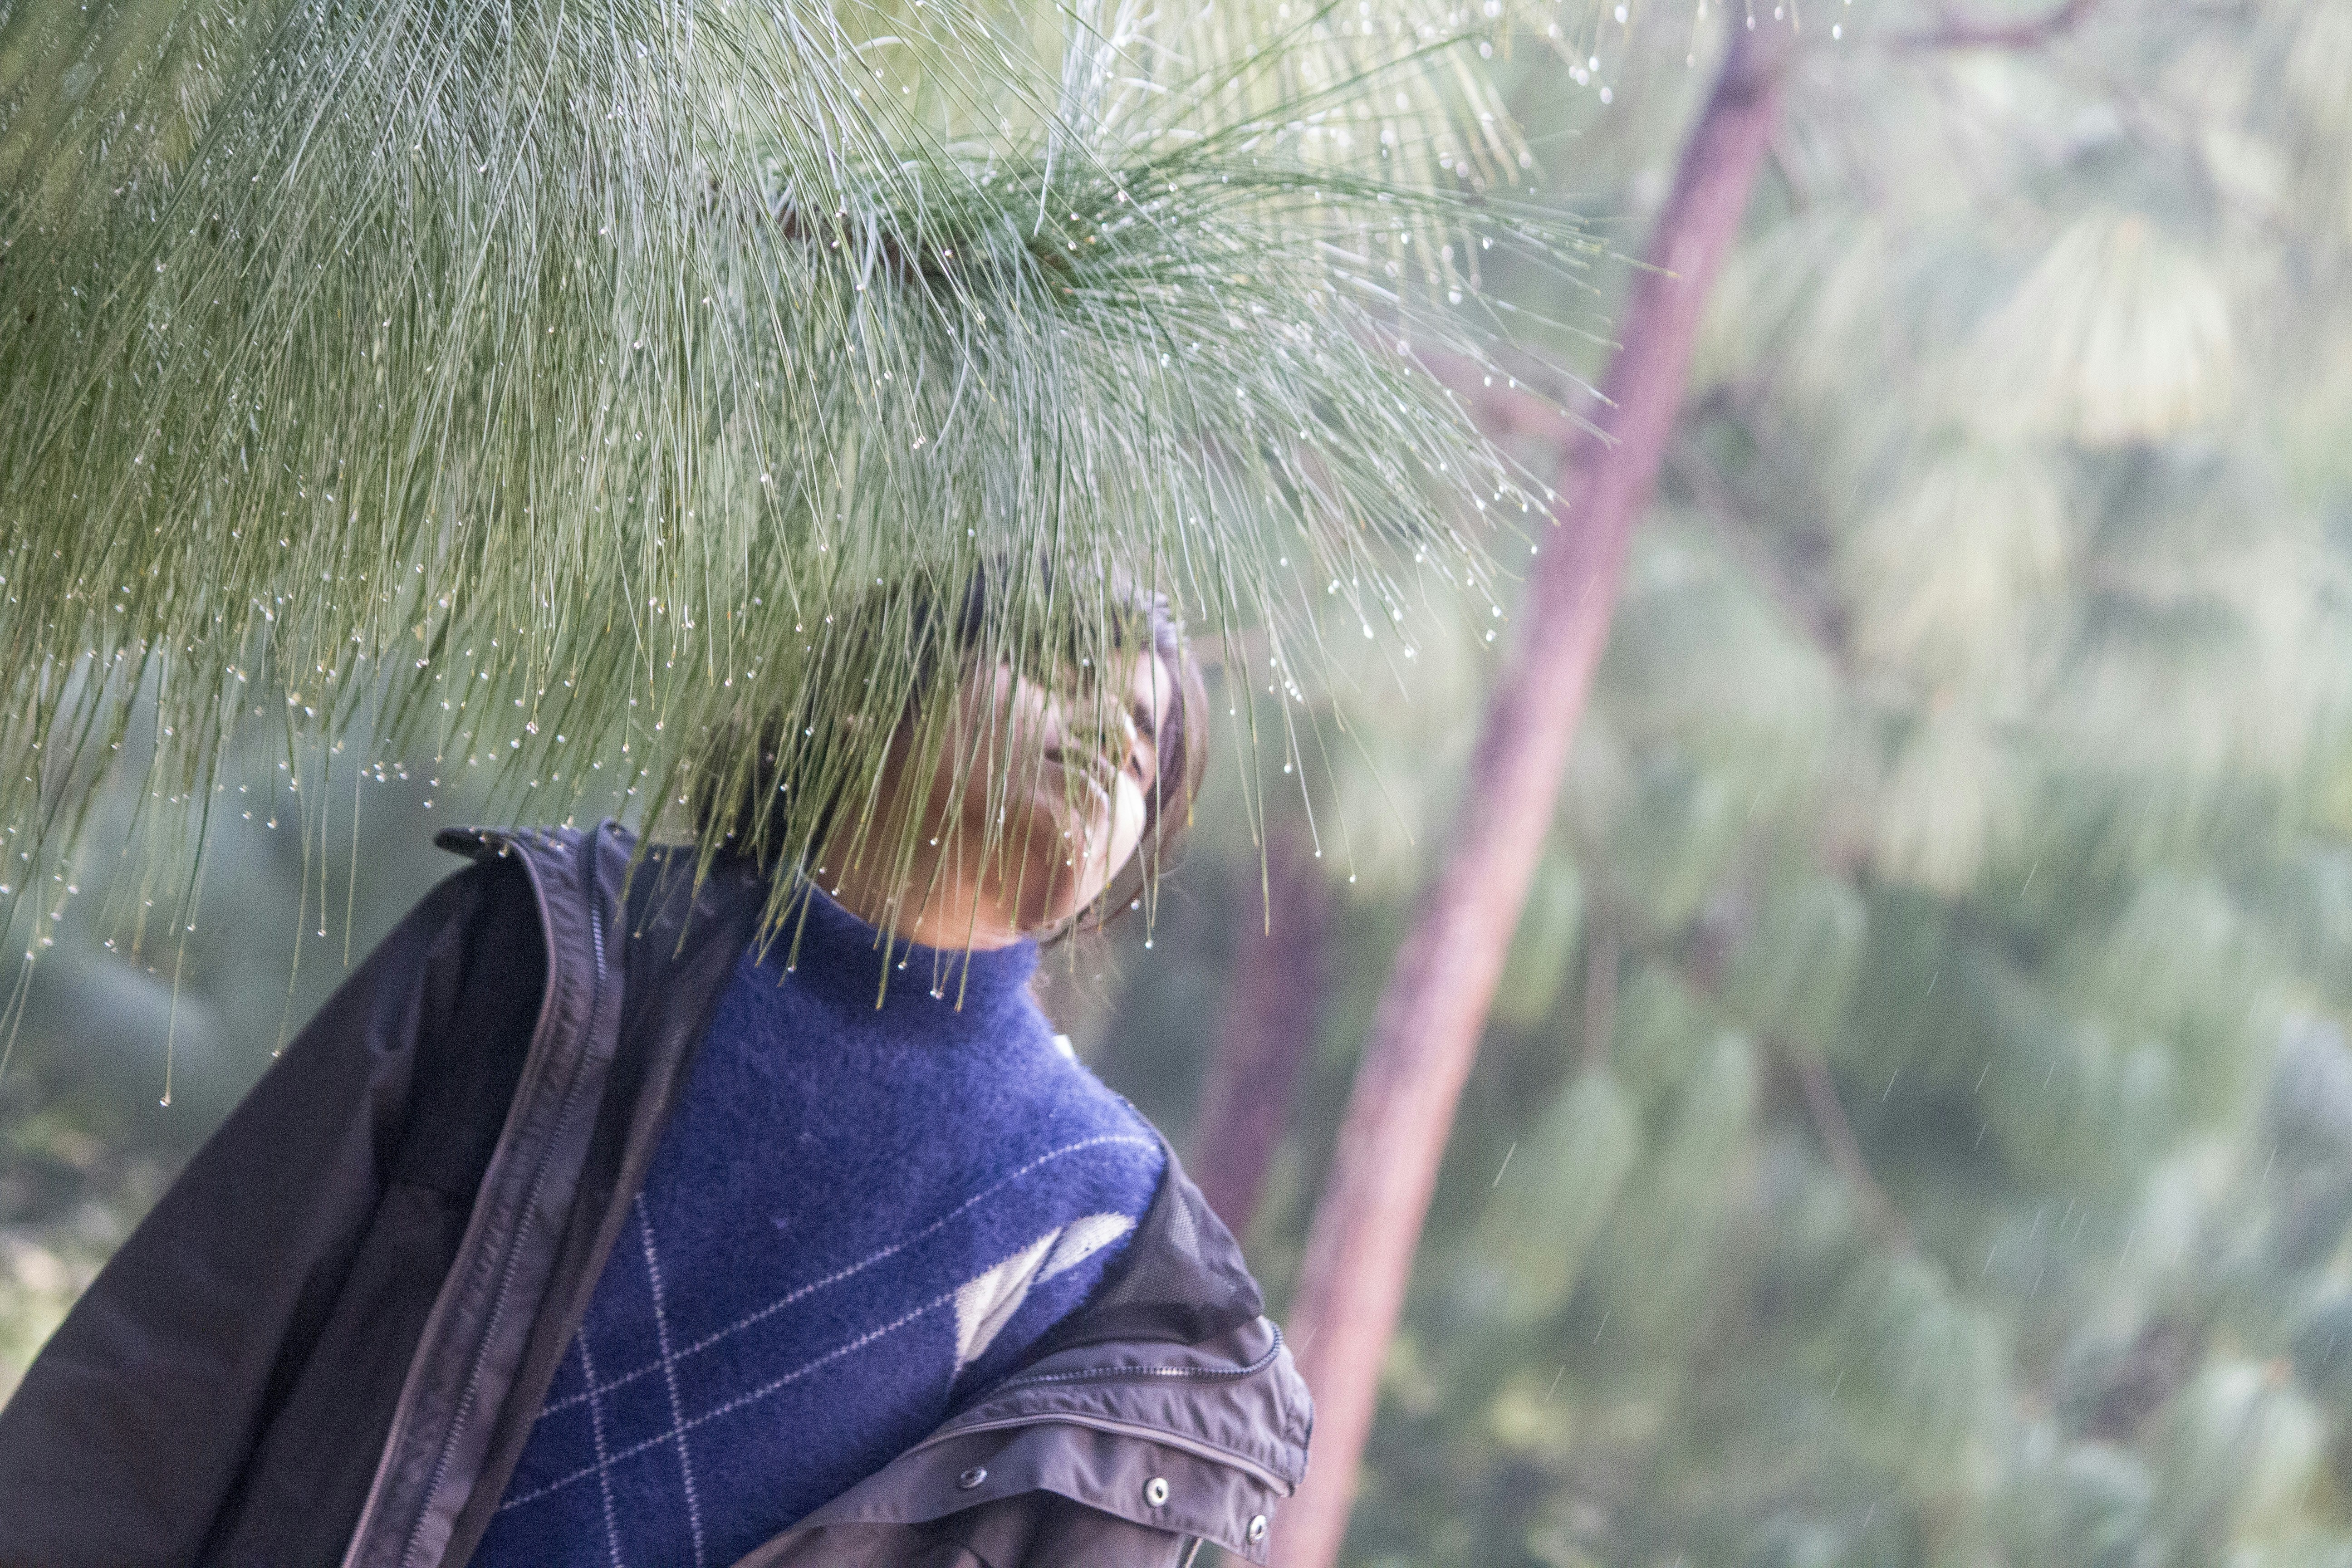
[[330, 1340]]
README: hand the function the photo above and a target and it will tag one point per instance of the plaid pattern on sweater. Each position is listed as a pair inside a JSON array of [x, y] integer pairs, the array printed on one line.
[[858, 1217]]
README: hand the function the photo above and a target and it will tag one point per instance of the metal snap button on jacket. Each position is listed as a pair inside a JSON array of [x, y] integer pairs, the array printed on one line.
[[1257, 1528], [972, 1476], [1155, 1490]]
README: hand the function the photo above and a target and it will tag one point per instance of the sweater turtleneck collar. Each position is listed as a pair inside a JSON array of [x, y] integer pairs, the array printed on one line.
[[840, 956]]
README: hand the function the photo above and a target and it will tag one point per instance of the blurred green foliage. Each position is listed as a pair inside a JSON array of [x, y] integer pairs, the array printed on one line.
[[1930, 1142]]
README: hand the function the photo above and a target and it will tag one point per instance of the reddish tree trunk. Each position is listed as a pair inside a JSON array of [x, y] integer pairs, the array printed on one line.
[[1273, 1009], [1426, 1027]]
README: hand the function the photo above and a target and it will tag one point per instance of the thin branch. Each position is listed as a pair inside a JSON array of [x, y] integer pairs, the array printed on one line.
[[1506, 412], [1809, 609], [1600, 995], [882, 248], [1845, 1149], [1959, 32]]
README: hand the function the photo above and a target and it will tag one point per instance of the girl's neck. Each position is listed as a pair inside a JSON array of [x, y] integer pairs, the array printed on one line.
[[940, 903], [844, 959]]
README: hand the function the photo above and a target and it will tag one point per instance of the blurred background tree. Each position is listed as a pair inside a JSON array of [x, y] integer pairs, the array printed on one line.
[[1916, 1122], [1897, 1138]]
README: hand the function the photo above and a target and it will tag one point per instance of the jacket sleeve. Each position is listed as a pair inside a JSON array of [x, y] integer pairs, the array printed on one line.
[[131, 1428]]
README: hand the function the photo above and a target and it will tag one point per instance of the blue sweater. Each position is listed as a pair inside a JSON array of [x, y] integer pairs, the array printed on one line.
[[858, 1216]]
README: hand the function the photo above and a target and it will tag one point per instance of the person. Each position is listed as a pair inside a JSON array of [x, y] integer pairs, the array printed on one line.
[[593, 1221]]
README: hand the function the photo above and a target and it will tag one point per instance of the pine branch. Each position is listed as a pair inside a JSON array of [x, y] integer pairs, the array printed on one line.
[[600, 418]]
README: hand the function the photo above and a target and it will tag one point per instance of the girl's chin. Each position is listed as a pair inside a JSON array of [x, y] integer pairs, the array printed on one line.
[[1053, 888], [1059, 826], [1059, 905]]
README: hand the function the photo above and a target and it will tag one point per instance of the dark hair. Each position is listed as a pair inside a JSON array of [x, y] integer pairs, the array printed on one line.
[[766, 818], [1181, 746]]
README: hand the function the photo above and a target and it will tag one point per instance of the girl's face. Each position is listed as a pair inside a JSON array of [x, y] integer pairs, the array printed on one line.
[[1070, 771]]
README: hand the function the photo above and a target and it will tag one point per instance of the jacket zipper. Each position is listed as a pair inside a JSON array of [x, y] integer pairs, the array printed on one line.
[[539, 1181]]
